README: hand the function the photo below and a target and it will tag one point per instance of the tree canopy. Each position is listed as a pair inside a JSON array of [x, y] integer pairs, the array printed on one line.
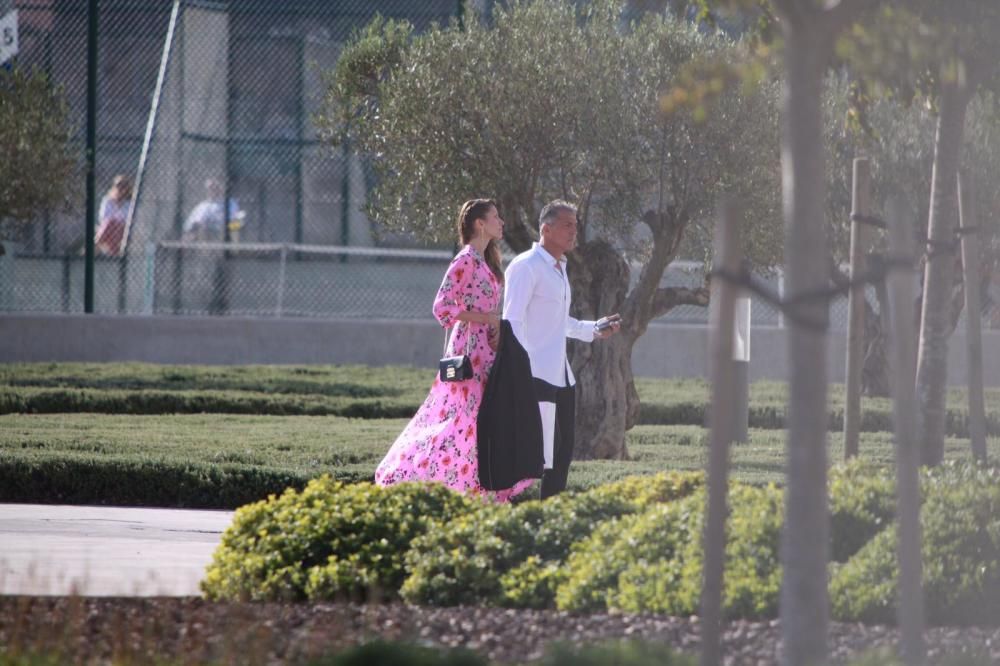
[[38, 167], [550, 101]]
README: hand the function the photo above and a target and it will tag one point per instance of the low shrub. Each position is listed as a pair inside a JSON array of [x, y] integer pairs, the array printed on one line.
[[96, 479], [384, 653], [960, 519], [862, 504], [328, 541], [652, 562], [594, 565], [509, 555], [619, 653], [662, 564]]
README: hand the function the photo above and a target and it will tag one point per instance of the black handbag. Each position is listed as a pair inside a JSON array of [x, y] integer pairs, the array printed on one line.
[[456, 368]]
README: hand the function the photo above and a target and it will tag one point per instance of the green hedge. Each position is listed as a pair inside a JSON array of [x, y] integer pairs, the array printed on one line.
[[511, 556], [632, 546], [328, 541], [862, 504], [378, 403], [35, 400], [99, 480], [773, 417], [960, 518], [652, 562]]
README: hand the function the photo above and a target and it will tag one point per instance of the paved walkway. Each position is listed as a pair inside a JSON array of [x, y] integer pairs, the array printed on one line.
[[105, 551]]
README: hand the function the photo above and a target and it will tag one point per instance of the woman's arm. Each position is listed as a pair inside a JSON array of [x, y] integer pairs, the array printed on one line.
[[491, 318]]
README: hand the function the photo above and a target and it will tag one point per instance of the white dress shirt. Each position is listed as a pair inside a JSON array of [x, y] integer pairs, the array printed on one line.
[[536, 303]]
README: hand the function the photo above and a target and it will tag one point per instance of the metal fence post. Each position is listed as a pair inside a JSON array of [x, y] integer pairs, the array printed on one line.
[[91, 157], [282, 267], [149, 293]]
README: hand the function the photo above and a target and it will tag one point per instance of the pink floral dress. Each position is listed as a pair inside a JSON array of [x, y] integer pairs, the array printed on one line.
[[439, 443]]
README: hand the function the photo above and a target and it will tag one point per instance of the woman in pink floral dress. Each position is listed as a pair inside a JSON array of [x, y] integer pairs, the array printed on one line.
[[439, 443]]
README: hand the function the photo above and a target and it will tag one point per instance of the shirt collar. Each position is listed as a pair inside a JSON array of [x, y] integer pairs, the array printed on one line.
[[545, 254]]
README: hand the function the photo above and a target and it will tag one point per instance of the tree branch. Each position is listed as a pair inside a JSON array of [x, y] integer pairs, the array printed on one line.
[[841, 13], [667, 228], [667, 298]]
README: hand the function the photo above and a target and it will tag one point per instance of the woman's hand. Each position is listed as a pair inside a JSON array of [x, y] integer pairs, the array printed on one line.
[[493, 337]]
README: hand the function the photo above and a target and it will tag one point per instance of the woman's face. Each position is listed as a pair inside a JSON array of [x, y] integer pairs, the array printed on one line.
[[492, 224], [122, 190]]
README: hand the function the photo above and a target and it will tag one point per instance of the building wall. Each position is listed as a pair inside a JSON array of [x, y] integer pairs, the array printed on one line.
[[665, 351]]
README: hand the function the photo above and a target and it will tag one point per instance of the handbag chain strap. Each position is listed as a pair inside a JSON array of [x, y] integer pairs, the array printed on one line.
[[468, 338]]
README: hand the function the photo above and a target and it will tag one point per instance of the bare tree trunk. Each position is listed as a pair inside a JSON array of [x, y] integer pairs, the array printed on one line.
[[804, 603], [727, 255], [936, 314], [971, 244], [911, 601]]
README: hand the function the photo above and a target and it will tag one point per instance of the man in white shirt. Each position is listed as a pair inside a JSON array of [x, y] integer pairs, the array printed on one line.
[[536, 303]]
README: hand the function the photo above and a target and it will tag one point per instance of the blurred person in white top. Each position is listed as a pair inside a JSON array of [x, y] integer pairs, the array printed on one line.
[[206, 222], [536, 302]]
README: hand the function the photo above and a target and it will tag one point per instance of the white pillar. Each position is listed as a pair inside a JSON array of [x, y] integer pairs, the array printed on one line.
[[741, 365]]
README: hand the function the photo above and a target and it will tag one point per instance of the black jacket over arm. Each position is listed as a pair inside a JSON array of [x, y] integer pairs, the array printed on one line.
[[509, 426]]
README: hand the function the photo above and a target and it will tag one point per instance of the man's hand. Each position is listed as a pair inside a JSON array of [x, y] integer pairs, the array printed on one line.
[[605, 327]]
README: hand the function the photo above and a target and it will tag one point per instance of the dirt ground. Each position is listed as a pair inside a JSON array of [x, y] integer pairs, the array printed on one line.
[[192, 630]]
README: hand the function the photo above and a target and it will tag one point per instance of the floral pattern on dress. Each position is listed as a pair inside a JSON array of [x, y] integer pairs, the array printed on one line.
[[439, 443]]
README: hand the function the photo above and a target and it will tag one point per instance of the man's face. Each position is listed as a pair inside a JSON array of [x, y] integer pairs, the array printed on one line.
[[560, 232]]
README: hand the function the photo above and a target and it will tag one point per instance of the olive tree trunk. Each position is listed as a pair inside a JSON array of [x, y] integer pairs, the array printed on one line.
[[607, 403]]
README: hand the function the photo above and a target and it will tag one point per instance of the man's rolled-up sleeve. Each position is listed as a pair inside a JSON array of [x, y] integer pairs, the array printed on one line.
[[580, 329]]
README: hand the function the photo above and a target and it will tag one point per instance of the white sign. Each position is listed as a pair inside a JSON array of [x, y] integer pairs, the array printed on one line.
[[8, 36]]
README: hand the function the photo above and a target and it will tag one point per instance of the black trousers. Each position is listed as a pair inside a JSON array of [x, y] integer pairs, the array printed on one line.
[[554, 480]]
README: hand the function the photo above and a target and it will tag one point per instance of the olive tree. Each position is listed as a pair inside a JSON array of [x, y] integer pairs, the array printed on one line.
[[558, 100], [38, 166]]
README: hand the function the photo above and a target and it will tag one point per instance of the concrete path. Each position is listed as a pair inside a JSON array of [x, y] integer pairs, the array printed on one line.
[[105, 551]]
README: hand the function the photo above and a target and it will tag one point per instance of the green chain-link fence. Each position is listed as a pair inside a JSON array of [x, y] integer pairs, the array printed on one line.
[[201, 102], [198, 103]]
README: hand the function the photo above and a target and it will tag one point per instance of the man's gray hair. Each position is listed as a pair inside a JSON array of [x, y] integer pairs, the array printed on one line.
[[553, 208]]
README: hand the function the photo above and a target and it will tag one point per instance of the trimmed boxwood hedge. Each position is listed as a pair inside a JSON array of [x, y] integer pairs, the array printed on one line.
[[328, 541], [652, 562], [511, 556], [101, 480], [15, 399], [862, 504], [960, 518], [34, 400]]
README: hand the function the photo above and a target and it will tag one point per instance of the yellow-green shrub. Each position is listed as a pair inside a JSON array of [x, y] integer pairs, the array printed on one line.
[[508, 556], [331, 540], [652, 562], [960, 518]]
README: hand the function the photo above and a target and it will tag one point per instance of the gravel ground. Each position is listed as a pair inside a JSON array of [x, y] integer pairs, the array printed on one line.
[[192, 630]]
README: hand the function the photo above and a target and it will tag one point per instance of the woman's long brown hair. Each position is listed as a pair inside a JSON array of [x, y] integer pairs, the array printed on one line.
[[477, 209]]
